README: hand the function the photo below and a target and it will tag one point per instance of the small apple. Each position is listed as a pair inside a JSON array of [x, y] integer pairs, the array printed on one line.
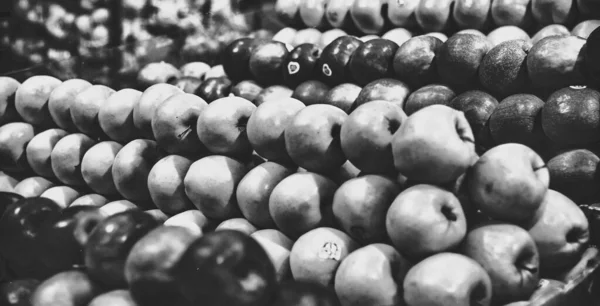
[[236, 57], [33, 186], [472, 14], [266, 62], [274, 92], [246, 89], [402, 13], [31, 99], [367, 15], [165, 184], [120, 297], [194, 69], [573, 173], [193, 220], [84, 110], [96, 167], [8, 112], [432, 282], [548, 12], [312, 138], [116, 115], [157, 73], [300, 64], [331, 66], [510, 257], [61, 99], [512, 12], [386, 89], [372, 60], [421, 156], [66, 158], [237, 224], [144, 110], [72, 287], [428, 95], [39, 148], [434, 15], [311, 92], [14, 138], [212, 89], [517, 119], [459, 58], [415, 62], [92, 199], [61, 195], [503, 71], [342, 96]]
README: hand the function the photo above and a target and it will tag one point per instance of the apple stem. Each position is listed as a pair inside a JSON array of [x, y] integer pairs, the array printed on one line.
[[185, 133]]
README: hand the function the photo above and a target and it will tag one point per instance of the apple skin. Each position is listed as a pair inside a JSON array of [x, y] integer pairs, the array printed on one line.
[[306, 36], [428, 95], [367, 16], [287, 196], [131, 168], [18, 292], [109, 244], [92, 199], [119, 297], [472, 14], [337, 13], [510, 257], [61, 99], [116, 115], [14, 138], [550, 30], [236, 57], [371, 275], [202, 276], [174, 123], [312, 12], [194, 69], [144, 110], [66, 158], [459, 58], [372, 61], [96, 167], [330, 35], [367, 133], [7, 182], [343, 96], [517, 119], [85, 108], [8, 112], [255, 188], [33, 186], [61, 195], [506, 33], [332, 63], [192, 220], [413, 145], [266, 62], [514, 200], [31, 99], [397, 35], [211, 183], [424, 220], [66, 288], [561, 232], [149, 265], [434, 15], [165, 184], [157, 73], [573, 173], [304, 293], [415, 61], [402, 14], [477, 106], [312, 138], [387, 89], [503, 71], [212, 89], [585, 28], [221, 126], [285, 35], [246, 89], [576, 124], [39, 148], [278, 247], [274, 92], [299, 65], [360, 206], [547, 12], [512, 12], [428, 282], [237, 224]]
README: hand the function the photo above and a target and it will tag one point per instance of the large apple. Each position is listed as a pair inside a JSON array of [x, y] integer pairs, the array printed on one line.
[[366, 136], [415, 61], [8, 112], [96, 167], [573, 173], [165, 184], [434, 145], [131, 168], [517, 119], [39, 148], [31, 99], [503, 70], [509, 182], [66, 158], [84, 109], [14, 138], [116, 115], [459, 58], [312, 138], [144, 109], [61, 99]]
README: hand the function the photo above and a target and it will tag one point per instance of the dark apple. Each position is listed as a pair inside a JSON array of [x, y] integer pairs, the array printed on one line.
[[415, 61], [459, 58], [372, 60], [503, 70], [246, 89], [311, 92], [477, 106], [266, 62], [305, 293], [428, 95], [7, 199], [214, 88], [575, 173], [226, 267], [390, 90], [109, 244], [187, 84], [331, 67], [299, 65], [517, 119], [343, 96], [591, 56], [236, 58], [18, 292], [274, 92]]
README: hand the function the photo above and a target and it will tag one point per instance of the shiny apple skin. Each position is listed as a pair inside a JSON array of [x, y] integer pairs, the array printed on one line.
[[372, 61], [214, 88], [331, 67], [300, 64]]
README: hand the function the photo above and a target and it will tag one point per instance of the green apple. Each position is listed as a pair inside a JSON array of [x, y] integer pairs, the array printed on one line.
[[165, 184], [278, 247], [14, 138], [193, 220], [84, 110], [31, 99], [144, 109], [237, 224], [116, 115], [8, 112], [66, 158], [61, 99], [33, 186], [40, 147]]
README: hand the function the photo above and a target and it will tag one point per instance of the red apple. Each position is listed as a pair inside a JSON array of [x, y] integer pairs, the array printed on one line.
[[367, 15], [39, 149], [8, 112], [165, 184], [434, 15], [31, 99], [144, 110], [84, 110], [96, 167], [33, 186], [116, 115], [415, 62], [61, 99], [67, 156], [342, 96]]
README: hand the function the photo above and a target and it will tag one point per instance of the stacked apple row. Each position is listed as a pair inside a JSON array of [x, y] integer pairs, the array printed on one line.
[[374, 17]]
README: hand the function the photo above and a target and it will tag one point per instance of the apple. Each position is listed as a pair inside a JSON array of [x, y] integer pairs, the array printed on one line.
[[367, 16], [459, 58], [447, 279], [120, 297], [18, 292], [236, 57], [195, 69], [428, 95], [337, 13], [508, 183], [149, 266], [593, 65], [331, 66], [61, 195], [434, 150], [210, 184], [477, 107], [360, 206], [174, 124], [366, 136], [218, 71], [192, 220], [386, 89], [66, 158], [561, 232], [576, 124], [266, 126], [402, 13], [274, 92], [31, 99], [7, 183], [72, 287], [212, 89], [312, 12], [503, 70], [285, 35], [278, 247], [439, 35], [471, 31], [237, 224], [165, 184], [266, 62], [246, 89], [311, 92], [131, 168], [157, 73], [299, 293], [317, 254], [415, 61], [221, 126], [39, 148], [555, 62], [573, 174], [512, 12], [517, 119], [14, 138], [287, 11], [472, 14], [96, 167], [33, 186], [509, 255], [115, 207], [342, 96], [86, 106], [300, 64], [254, 190], [307, 36], [61, 99], [312, 138], [187, 84], [550, 30], [366, 38], [434, 15], [330, 35], [397, 35], [548, 12], [92, 199], [311, 191], [585, 28], [116, 115], [144, 109], [581, 268], [8, 112], [372, 60]]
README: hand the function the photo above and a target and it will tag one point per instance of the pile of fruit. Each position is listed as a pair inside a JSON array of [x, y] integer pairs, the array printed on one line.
[[337, 172]]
